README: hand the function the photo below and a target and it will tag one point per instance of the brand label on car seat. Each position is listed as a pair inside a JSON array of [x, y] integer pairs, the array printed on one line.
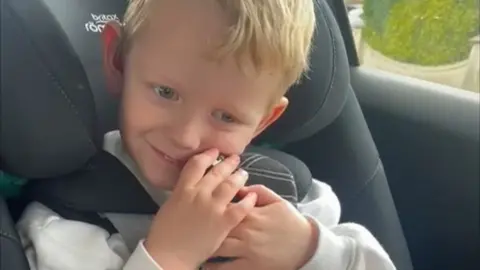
[[98, 21]]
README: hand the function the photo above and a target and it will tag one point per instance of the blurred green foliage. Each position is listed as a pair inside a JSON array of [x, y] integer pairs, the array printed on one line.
[[423, 32], [375, 13]]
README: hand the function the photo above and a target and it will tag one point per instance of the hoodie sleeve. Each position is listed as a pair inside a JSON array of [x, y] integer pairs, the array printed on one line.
[[54, 243], [346, 246], [140, 259]]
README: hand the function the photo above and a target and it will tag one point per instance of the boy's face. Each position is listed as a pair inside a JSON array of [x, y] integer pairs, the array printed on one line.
[[177, 102]]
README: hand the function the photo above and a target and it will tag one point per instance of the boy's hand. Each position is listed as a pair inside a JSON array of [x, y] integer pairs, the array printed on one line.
[[198, 216], [274, 236]]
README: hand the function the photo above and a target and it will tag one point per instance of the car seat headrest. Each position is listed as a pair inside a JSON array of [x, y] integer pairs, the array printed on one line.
[[319, 98], [47, 112]]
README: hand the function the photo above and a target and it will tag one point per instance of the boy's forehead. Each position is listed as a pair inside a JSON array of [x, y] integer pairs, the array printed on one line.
[[174, 49], [187, 31], [204, 17]]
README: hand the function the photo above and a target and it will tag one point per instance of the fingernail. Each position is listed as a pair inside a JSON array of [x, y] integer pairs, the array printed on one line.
[[235, 159], [243, 173]]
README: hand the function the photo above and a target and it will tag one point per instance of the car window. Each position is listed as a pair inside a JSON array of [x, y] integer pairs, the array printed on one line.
[[433, 40]]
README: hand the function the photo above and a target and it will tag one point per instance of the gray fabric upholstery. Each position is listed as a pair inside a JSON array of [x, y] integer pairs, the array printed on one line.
[[11, 250]]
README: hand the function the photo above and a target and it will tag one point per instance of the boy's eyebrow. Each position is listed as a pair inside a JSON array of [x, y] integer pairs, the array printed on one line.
[[160, 79], [241, 112]]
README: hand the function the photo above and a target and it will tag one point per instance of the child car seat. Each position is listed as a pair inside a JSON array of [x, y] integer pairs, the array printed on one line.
[[51, 128], [85, 192]]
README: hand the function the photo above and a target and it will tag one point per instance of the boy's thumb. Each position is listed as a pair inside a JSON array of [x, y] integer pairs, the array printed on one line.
[[265, 196]]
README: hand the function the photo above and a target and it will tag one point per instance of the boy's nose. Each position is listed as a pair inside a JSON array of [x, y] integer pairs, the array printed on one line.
[[186, 137]]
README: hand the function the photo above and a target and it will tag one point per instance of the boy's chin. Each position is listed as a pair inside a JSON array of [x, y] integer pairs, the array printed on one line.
[[162, 185]]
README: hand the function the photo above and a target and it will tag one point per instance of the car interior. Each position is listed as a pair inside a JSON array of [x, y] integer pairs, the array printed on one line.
[[401, 154]]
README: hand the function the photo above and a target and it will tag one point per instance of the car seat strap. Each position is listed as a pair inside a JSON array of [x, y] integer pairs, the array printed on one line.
[[102, 193]]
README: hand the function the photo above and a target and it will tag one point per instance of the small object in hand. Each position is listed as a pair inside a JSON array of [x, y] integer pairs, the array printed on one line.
[[219, 159]]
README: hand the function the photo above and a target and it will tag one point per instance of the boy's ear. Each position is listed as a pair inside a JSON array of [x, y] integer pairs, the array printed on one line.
[[112, 58], [275, 112]]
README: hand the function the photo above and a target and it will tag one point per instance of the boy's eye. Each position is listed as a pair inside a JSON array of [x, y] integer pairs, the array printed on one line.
[[223, 116], [166, 92]]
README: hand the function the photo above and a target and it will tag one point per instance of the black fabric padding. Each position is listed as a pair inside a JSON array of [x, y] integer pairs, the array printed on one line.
[[12, 256], [104, 185], [300, 171], [344, 156], [47, 111], [263, 170], [381, 217], [319, 98], [87, 44]]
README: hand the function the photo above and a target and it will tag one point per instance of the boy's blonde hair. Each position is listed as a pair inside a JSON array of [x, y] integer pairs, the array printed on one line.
[[273, 34]]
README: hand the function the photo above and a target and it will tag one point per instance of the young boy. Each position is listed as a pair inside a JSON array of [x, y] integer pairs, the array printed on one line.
[[195, 79]]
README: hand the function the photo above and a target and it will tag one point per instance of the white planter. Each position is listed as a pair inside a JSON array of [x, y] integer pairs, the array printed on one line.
[[463, 74], [452, 75], [472, 76]]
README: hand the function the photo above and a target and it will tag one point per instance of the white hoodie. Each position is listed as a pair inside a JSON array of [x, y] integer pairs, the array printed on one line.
[[54, 243]]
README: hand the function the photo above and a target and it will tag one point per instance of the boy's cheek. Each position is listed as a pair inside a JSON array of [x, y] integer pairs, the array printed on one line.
[[231, 143], [139, 115]]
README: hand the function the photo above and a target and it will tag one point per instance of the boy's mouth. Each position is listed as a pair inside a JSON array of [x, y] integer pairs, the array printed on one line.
[[169, 159], [176, 162]]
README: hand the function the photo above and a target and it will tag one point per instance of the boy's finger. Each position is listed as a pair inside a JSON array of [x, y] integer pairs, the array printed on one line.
[[236, 212], [195, 168], [242, 192], [218, 174], [231, 248], [228, 188], [265, 195]]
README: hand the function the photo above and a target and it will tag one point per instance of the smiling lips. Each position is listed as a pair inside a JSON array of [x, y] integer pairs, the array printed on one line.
[[169, 159]]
